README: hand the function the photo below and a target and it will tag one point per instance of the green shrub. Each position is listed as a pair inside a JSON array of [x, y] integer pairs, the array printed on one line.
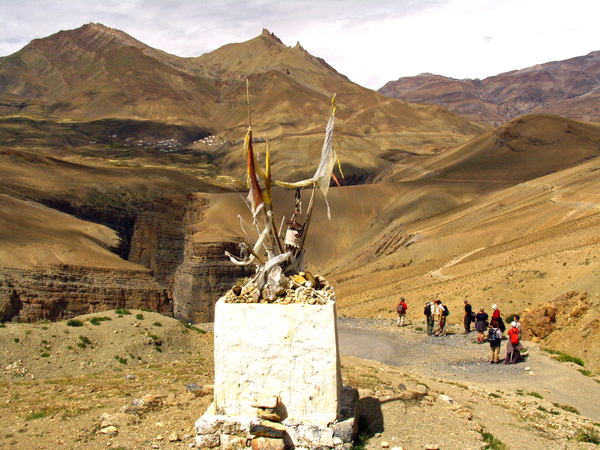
[[98, 320], [191, 327], [45, 355], [585, 435], [122, 312], [361, 441], [121, 360], [509, 318], [84, 342], [16, 340], [568, 408], [139, 316], [74, 323], [2, 325], [37, 415], [491, 442], [157, 324], [535, 394], [564, 357]]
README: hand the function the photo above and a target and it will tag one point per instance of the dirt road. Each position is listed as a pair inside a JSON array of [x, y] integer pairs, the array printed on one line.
[[458, 358]]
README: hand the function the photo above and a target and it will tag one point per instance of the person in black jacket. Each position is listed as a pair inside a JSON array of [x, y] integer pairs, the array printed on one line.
[[481, 325], [468, 316]]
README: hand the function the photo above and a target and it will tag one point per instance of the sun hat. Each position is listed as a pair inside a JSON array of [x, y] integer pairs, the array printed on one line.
[[494, 306], [513, 324]]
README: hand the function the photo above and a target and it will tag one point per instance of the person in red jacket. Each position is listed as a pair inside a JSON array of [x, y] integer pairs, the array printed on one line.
[[401, 310], [496, 312], [513, 346], [497, 318]]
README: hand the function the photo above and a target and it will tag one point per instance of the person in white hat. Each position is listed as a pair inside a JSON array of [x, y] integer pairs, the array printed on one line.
[[497, 318]]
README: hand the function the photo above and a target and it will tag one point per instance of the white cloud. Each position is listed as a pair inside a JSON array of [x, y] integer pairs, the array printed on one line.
[[370, 42]]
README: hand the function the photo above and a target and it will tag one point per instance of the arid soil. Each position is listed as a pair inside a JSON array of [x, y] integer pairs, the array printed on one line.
[[60, 390], [63, 385]]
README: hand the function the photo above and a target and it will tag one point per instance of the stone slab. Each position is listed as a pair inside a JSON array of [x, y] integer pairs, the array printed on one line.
[[290, 351]]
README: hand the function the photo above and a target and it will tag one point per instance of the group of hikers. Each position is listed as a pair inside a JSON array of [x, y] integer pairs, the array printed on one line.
[[490, 330]]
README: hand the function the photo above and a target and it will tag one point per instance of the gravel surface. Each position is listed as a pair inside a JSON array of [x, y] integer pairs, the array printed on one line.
[[458, 357]]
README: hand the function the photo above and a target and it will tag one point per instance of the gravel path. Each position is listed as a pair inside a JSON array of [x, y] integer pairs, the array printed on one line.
[[457, 358]]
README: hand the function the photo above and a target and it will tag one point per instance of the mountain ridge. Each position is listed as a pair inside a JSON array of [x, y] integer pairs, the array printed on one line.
[[543, 88], [95, 72]]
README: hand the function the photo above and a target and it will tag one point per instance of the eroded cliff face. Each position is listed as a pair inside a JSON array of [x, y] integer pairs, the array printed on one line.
[[205, 273], [65, 291], [158, 238], [186, 272]]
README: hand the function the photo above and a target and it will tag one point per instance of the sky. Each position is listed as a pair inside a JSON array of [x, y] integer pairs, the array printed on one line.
[[370, 41]]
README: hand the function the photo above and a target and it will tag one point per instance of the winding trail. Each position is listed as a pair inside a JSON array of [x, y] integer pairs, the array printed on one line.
[[458, 359]]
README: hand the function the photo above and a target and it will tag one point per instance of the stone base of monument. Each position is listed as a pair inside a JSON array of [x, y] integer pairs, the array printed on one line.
[[236, 432], [278, 380]]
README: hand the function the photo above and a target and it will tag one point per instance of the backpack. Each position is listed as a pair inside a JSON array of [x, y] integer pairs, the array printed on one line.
[[445, 311], [493, 338], [427, 310], [400, 308], [501, 324], [514, 336]]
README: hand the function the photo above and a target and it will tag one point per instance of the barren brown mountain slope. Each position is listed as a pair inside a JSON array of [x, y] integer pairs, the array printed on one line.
[[34, 235], [524, 148], [96, 72], [515, 247], [509, 218], [567, 88]]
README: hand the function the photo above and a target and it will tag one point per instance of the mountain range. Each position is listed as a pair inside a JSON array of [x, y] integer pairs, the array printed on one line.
[[119, 166], [569, 88]]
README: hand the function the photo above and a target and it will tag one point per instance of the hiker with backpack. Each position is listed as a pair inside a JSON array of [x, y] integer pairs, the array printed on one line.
[[401, 310], [443, 312], [481, 325], [495, 340], [513, 345], [429, 312]]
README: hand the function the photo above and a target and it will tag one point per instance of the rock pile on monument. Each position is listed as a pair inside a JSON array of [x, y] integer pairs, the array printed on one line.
[[300, 288]]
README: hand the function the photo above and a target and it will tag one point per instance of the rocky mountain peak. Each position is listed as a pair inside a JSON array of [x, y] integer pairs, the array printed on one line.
[[266, 33]]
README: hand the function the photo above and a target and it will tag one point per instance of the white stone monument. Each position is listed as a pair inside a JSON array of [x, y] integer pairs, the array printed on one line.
[[290, 351]]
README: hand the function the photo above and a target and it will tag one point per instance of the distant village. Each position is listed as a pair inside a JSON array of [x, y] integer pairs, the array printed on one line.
[[173, 144]]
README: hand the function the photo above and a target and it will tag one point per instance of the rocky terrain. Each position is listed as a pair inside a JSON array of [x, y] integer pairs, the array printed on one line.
[[137, 380], [566, 88]]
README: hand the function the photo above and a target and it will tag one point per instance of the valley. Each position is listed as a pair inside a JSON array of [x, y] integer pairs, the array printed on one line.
[[122, 177]]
